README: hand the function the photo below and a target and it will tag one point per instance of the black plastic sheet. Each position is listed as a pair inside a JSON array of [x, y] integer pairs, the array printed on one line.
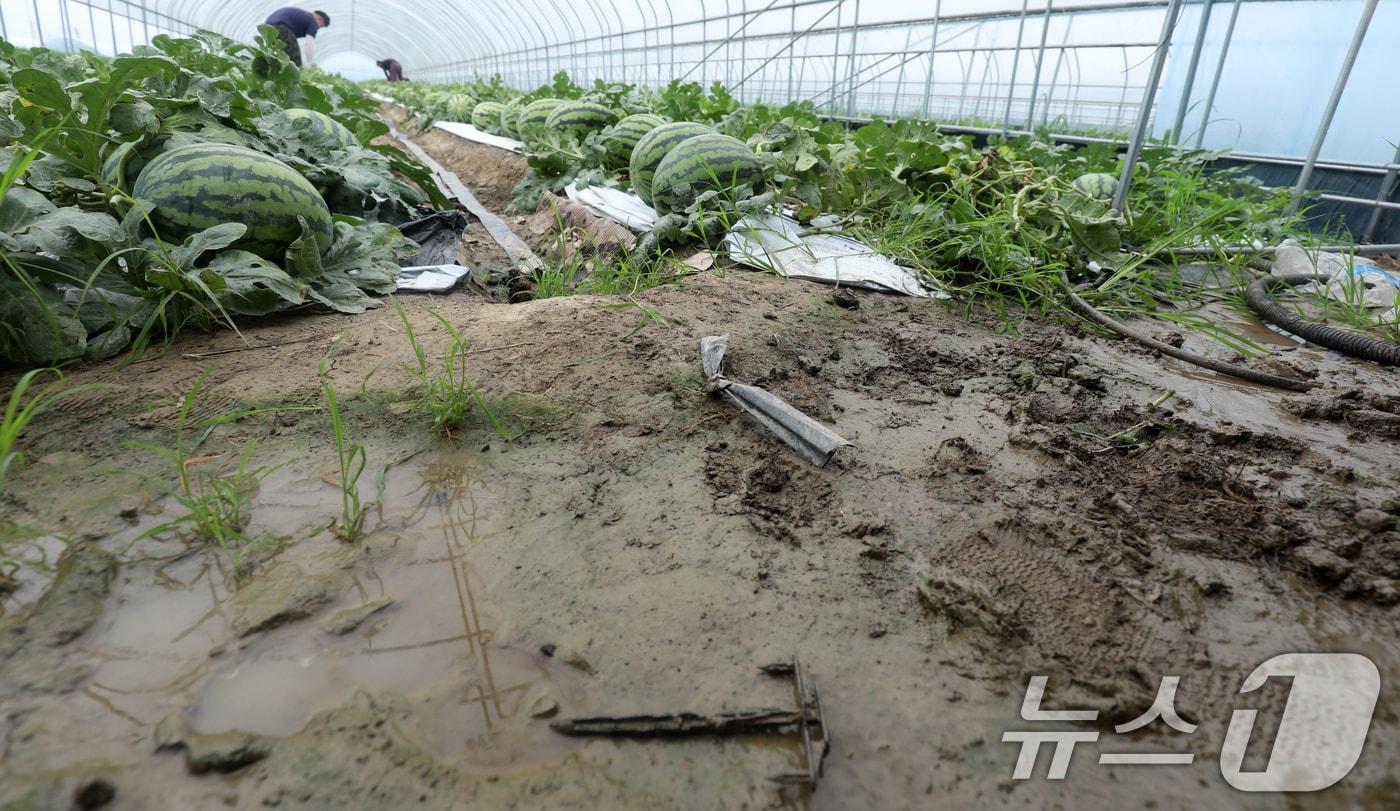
[[438, 234]]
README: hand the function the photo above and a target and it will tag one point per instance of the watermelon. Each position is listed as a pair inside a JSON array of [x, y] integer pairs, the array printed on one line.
[[202, 185], [1097, 185], [652, 148], [510, 115], [701, 163], [458, 108], [324, 125], [533, 117], [580, 117], [486, 116], [625, 134], [531, 121]]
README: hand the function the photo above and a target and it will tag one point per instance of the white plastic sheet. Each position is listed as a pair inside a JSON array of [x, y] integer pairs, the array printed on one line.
[[462, 130], [1341, 277], [776, 243], [616, 205], [430, 278]]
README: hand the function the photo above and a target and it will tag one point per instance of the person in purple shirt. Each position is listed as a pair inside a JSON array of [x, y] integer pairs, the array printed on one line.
[[393, 71], [293, 23]]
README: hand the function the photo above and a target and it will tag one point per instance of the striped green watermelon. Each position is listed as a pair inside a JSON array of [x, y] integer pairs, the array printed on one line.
[[199, 186], [458, 108], [510, 116], [580, 117], [625, 134], [533, 117], [652, 148], [322, 124], [701, 163], [486, 116], [1097, 185], [120, 166]]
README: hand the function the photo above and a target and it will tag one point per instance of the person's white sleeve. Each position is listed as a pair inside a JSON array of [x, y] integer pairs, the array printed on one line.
[[309, 50]]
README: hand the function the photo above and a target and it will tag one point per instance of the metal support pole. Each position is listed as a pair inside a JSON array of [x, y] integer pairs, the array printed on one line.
[[145, 25], [67, 26], [38, 26], [932, 52], [1387, 186], [1015, 65], [836, 47], [728, 38], [967, 75], [704, 46], [92, 27], [725, 45], [744, 43], [788, 45], [792, 26], [1055, 76], [1149, 94], [1039, 62], [1306, 175], [992, 59], [1122, 97], [1191, 71], [851, 63], [112, 23], [1219, 71], [899, 83]]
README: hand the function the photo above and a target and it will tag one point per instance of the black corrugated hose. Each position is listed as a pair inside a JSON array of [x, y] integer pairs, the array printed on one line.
[[1259, 296], [1088, 310]]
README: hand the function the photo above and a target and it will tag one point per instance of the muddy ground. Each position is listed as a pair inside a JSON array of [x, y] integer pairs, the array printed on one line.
[[1014, 504]]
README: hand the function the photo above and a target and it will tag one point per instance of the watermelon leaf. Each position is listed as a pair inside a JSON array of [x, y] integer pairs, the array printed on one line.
[[255, 286], [41, 89], [47, 331], [135, 117], [214, 238], [304, 254]]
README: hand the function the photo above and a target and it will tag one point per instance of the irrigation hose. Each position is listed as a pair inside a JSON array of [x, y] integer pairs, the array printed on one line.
[[1087, 310], [1259, 295]]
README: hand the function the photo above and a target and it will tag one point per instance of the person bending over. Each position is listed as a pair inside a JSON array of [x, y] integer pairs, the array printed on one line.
[[393, 71], [292, 24]]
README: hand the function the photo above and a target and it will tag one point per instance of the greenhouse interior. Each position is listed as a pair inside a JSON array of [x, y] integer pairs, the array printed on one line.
[[613, 404]]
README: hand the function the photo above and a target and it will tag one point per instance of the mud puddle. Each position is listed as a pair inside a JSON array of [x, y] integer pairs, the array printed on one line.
[[415, 612]]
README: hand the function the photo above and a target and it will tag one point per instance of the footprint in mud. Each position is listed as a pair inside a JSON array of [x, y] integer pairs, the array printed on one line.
[[783, 499]]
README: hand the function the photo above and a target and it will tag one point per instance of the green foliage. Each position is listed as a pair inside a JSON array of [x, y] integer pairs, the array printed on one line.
[[351, 459], [998, 222], [688, 101], [83, 270], [447, 394], [217, 500]]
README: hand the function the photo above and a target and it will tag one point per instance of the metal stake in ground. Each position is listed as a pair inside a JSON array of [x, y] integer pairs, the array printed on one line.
[[808, 722]]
